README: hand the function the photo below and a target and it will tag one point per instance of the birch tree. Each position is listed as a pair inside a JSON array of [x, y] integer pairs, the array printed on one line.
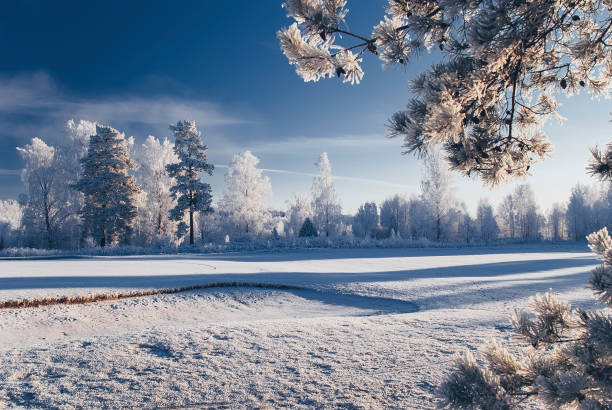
[[153, 158], [247, 190], [326, 209], [437, 194], [44, 213]]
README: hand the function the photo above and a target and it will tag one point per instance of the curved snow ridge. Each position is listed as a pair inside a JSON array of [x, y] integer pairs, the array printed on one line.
[[103, 297], [371, 304]]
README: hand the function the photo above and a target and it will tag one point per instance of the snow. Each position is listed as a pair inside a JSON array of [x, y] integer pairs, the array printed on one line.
[[367, 328]]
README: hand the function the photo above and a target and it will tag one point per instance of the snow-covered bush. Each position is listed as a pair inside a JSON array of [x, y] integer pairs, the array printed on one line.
[[569, 362]]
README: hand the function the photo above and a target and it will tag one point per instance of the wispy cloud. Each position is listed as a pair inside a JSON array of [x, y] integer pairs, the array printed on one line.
[[9, 172], [294, 144], [37, 97], [368, 181]]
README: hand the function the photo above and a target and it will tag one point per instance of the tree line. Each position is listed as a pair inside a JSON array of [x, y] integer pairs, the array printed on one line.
[[99, 188]]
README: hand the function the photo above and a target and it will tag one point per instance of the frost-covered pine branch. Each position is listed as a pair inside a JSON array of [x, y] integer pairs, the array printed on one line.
[[503, 65]]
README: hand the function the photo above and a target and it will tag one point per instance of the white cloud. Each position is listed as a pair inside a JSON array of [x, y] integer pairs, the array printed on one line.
[[48, 107]]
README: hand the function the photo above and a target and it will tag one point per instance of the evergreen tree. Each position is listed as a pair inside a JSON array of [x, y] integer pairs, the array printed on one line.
[[308, 229], [191, 193], [110, 192]]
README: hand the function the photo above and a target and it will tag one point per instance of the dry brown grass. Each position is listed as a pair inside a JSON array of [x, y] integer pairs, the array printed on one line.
[[102, 297]]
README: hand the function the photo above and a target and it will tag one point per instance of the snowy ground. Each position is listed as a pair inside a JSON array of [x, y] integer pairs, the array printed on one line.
[[371, 328]]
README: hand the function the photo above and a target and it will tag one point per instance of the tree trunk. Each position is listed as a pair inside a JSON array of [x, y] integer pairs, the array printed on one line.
[[191, 241], [47, 222]]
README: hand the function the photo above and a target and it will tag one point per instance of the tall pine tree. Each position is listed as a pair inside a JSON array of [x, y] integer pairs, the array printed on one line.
[[109, 212], [191, 193]]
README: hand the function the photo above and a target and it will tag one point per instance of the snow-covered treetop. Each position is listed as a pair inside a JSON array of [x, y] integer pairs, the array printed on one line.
[[246, 183], [504, 63], [323, 181], [80, 131], [37, 154], [189, 146]]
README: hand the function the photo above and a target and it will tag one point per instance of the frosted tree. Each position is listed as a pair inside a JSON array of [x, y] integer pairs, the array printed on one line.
[[68, 157], [527, 217], [247, 191], [110, 191], [10, 222], [210, 226], [467, 228], [556, 222], [578, 214], [153, 157], [485, 220], [502, 66], [75, 147], [394, 215], [419, 217], [436, 193], [298, 209], [518, 214], [192, 194], [366, 221], [44, 211], [326, 209]]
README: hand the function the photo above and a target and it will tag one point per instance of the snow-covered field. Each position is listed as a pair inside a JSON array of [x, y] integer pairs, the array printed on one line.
[[367, 328]]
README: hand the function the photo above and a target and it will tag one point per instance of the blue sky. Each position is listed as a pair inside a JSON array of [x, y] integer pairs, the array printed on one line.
[[139, 66]]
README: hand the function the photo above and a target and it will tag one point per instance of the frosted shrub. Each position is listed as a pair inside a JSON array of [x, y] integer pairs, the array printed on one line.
[[569, 362]]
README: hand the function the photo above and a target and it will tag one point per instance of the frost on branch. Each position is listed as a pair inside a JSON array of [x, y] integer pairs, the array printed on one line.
[[569, 362], [503, 65]]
